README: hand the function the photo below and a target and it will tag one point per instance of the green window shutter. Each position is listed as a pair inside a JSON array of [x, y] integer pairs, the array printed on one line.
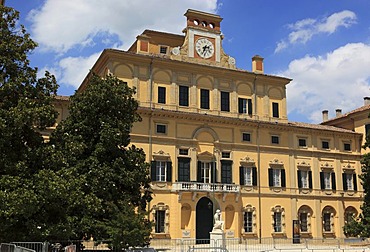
[[283, 178], [322, 181], [310, 179], [271, 180], [169, 172], [344, 178], [199, 173], [354, 181], [153, 171], [299, 179], [250, 107], [333, 184], [241, 175], [254, 176]]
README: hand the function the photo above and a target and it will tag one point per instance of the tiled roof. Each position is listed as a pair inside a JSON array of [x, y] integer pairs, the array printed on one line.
[[320, 127], [358, 110]]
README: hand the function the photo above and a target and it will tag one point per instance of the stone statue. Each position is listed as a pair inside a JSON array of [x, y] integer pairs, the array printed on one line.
[[219, 224]]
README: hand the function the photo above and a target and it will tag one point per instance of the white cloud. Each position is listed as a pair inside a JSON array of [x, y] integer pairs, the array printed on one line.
[[304, 30], [339, 79], [61, 25], [75, 69]]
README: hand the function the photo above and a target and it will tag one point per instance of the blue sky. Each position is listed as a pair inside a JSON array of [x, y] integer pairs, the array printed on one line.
[[323, 45]]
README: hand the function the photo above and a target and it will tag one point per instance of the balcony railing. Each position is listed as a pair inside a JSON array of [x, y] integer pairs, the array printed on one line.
[[205, 187]]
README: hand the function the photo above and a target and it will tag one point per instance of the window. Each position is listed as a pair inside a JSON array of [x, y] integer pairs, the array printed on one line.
[[161, 128], [225, 154], [367, 129], [328, 214], [245, 106], [304, 215], [204, 99], [184, 96], [183, 169], [184, 152], [327, 222], [249, 219], [226, 171], [303, 219], [225, 101], [327, 180], [278, 219], [161, 171], [302, 142], [304, 179], [275, 109], [276, 177], [350, 215], [160, 215], [248, 176], [160, 221], [246, 137], [162, 95], [347, 146], [163, 49], [349, 181], [248, 222], [206, 172], [325, 145], [277, 222], [275, 139]]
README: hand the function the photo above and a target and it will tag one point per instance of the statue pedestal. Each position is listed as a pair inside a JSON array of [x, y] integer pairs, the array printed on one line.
[[217, 237]]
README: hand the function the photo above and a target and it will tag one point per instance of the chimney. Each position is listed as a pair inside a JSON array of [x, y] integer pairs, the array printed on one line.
[[338, 112], [366, 101], [325, 116], [257, 64]]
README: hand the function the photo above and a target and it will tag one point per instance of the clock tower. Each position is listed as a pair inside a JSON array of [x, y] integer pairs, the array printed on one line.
[[203, 35]]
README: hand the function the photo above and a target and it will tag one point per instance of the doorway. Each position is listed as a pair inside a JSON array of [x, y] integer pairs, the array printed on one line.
[[204, 220]]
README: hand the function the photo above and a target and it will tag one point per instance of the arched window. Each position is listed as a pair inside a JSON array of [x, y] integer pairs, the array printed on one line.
[[328, 214], [304, 216], [249, 220], [350, 214], [161, 219], [278, 220]]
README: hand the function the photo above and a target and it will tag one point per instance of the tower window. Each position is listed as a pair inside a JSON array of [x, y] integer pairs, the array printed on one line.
[[184, 96], [275, 109], [225, 101], [162, 95], [163, 49], [204, 98]]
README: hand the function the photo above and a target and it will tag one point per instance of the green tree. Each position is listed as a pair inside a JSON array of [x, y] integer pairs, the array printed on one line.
[[25, 109], [113, 177], [361, 228]]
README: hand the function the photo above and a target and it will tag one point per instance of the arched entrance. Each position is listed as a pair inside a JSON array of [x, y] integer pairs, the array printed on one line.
[[204, 220]]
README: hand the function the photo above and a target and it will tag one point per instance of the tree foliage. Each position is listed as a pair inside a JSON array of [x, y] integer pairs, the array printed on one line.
[[87, 180], [25, 109], [113, 178], [361, 227]]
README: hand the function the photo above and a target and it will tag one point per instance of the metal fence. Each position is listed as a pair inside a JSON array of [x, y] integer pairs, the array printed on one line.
[[193, 245], [8, 247]]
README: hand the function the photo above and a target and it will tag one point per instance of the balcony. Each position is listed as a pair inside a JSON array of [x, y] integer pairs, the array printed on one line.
[[205, 187], [195, 187]]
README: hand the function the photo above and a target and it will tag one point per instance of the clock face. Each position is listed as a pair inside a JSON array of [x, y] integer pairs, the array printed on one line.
[[204, 48]]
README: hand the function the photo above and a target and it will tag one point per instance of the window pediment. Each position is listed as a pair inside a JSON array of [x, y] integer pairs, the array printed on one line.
[[206, 156], [161, 155], [276, 163], [304, 164], [247, 162]]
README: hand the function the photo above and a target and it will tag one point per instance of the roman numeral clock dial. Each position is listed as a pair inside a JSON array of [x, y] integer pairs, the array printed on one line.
[[204, 48]]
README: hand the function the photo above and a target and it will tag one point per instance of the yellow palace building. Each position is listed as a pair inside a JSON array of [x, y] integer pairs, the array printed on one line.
[[218, 137]]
